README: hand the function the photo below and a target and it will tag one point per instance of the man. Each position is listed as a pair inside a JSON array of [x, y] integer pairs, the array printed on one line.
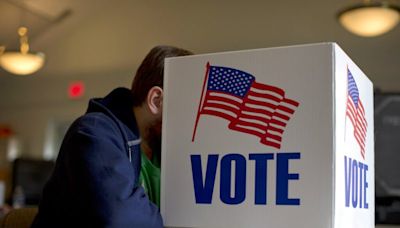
[[98, 177]]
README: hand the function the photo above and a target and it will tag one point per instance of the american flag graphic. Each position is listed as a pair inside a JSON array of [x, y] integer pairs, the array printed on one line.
[[356, 112], [250, 107]]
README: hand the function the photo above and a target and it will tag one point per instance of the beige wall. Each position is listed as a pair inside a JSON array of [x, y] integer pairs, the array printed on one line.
[[31, 105]]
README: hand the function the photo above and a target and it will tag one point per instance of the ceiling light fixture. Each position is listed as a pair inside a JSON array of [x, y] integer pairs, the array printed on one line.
[[22, 62], [370, 19]]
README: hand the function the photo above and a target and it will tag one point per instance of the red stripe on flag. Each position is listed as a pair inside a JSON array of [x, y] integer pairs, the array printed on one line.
[[223, 99], [259, 118], [264, 96], [359, 139], [257, 110], [270, 143], [272, 136], [245, 130], [219, 114], [350, 111], [260, 103], [266, 87], [279, 115], [291, 102], [277, 122], [285, 109], [220, 106], [271, 128], [250, 124]]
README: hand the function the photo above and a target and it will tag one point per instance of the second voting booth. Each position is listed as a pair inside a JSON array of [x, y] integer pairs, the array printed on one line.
[[276, 137]]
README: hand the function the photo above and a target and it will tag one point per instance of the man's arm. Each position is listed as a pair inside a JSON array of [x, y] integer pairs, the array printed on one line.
[[104, 177]]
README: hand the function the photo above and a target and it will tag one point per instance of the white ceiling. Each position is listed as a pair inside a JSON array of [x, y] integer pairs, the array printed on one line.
[[113, 36]]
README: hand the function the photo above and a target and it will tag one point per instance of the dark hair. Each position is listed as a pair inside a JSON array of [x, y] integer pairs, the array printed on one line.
[[151, 71]]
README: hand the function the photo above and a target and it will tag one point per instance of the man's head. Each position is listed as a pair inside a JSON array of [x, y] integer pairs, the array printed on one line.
[[151, 71], [148, 93]]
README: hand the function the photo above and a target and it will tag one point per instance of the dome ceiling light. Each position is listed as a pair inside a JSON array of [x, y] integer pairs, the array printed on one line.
[[370, 19]]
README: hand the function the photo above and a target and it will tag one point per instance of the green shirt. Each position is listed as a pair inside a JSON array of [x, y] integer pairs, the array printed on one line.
[[150, 177]]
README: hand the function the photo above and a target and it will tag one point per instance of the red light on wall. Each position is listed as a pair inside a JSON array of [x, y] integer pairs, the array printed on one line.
[[5, 132], [76, 90]]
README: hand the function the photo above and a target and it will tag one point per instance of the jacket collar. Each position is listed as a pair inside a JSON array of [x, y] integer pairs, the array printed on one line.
[[118, 104]]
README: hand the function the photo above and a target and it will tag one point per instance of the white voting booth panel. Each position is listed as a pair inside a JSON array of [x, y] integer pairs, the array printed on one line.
[[277, 137]]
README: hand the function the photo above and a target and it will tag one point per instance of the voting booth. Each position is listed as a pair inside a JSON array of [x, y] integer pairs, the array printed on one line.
[[277, 137]]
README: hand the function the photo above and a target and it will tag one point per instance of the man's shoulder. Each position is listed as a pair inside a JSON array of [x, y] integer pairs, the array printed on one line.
[[90, 134], [96, 124]]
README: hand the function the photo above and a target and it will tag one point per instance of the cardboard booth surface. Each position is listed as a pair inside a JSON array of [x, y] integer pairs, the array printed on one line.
[[277, 137]]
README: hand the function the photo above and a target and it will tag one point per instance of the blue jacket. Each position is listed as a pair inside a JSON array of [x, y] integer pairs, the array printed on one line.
[[95, 182]]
